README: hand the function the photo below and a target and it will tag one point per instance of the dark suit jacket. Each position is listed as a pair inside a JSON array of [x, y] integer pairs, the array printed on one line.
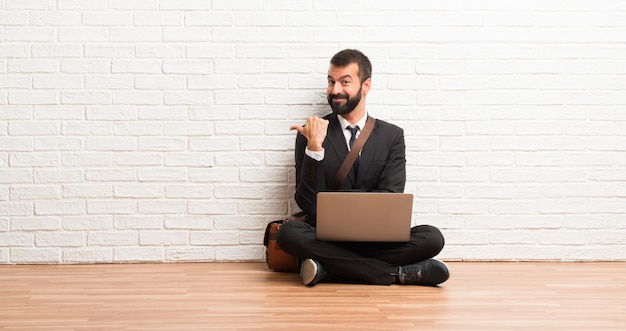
[[382, 164]]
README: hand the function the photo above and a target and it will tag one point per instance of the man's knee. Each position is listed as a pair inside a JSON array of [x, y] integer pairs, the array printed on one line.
[[437, 240], [431, 239], [288, 233]]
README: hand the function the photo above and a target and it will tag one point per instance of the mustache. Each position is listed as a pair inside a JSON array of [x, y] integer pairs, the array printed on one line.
[[339, 96]]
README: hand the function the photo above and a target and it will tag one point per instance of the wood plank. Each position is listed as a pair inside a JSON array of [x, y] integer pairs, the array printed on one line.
[[246, 296]]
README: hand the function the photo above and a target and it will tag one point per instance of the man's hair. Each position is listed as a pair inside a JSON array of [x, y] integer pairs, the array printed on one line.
[[349, 56]]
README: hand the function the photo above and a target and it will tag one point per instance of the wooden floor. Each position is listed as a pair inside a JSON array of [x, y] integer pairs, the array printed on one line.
[[246, 296]]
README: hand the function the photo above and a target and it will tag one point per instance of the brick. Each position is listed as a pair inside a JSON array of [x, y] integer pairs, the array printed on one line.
[[59, 207], [52, 18], [83, 34], [134, 4], [138, 222], [109, 82], [135, 34], [222, 112], [158, 19], [15, 81], [161, 144], [16, 239], [190, 254], [111, 206], [86, 159], [87, 255], [120, 51], [140, 190], [162, 207], [191, 98], [32, 159], [214, 174], [226, 222], [163, 238], [86, 98], [35, 255], [108, 19], [32, 98], [72, 239], [213, 144], [210, 51], [159, 51], [212, 82], [170, 113], [212, 207], [138, 254], [189, 222], [86, 128], [133, 129], [138, 159], [186, 34], [192, 160], [29, 34], [148, 66], [111, 144], [35, 192], [239, 253], [214, 238], [84, 223], [160, 83], [111, 175], [228, 159], [188, 191], [81, 4], [109, 238]]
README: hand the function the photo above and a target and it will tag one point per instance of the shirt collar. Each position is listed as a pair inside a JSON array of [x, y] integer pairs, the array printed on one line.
[[344, 123]]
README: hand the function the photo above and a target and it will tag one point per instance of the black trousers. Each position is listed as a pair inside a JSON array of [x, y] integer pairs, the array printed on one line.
[[364, 262]]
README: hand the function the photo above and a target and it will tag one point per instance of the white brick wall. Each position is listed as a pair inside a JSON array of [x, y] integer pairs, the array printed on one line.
[[157, 130]]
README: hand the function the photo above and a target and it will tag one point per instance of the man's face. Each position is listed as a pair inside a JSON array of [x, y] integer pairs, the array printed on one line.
[[344, 88]]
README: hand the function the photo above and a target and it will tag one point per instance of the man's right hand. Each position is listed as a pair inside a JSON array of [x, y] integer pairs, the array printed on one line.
[[314, 130]]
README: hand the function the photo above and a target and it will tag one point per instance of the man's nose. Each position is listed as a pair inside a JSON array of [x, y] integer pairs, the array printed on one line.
[[336, 89]]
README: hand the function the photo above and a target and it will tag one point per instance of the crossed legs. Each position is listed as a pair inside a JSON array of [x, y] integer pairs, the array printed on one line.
[[371, 263]]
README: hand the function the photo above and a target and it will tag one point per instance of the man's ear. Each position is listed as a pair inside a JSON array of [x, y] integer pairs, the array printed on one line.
[[367, 85]]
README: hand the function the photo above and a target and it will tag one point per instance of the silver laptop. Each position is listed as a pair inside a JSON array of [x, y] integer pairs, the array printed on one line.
[[364, 216]]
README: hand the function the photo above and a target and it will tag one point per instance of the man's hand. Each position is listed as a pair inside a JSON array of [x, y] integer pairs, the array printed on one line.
[[314, 130]]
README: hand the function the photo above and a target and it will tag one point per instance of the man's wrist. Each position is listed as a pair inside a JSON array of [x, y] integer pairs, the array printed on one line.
[[315, 155], [314, 147]]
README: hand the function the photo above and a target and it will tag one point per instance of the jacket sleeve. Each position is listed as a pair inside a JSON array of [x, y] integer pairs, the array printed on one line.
[[309, 178]]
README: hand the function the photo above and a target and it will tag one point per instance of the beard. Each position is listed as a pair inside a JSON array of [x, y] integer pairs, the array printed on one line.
[[348, 106]]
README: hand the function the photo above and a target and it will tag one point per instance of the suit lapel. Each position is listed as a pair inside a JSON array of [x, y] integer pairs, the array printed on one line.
[[336, 139], [337, 142]]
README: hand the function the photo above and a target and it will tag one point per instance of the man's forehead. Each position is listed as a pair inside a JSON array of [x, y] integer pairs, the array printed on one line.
[[351, 70]]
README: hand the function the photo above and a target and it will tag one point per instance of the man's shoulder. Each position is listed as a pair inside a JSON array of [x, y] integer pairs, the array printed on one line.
[[330, 116], [382, 124]]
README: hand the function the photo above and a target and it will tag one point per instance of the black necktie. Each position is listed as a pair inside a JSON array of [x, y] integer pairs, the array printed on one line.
[[354, 131]]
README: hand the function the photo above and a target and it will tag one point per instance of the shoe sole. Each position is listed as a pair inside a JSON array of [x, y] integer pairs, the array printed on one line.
[[308, 272]]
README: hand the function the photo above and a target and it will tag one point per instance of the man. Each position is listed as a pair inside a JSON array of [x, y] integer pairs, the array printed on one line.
[[321, 146]]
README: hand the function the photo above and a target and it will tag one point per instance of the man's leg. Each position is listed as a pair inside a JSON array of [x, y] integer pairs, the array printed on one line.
[[339, 259], [426, 242]]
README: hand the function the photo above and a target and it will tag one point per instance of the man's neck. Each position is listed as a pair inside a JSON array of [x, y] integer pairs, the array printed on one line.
[[344, 121], [354, 116]]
